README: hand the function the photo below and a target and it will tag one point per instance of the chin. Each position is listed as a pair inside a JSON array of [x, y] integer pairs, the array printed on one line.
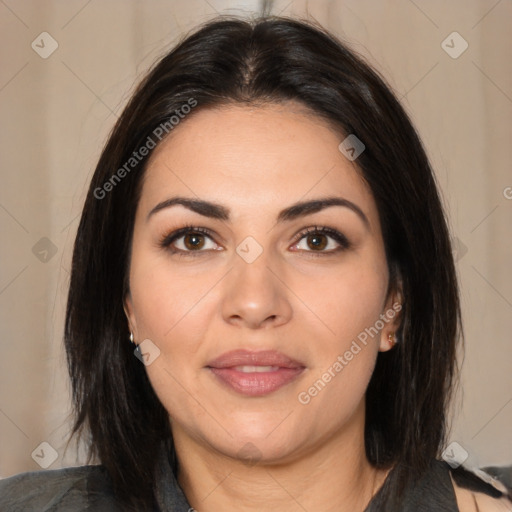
[[254, 445], [261, 452]]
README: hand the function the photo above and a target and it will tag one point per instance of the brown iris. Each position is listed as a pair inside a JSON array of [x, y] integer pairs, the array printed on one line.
[[193, 241], [317, 241]]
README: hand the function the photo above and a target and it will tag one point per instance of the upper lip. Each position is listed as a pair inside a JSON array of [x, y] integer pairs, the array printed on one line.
[[252, 358]]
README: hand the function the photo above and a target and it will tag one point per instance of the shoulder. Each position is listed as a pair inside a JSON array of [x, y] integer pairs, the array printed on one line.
[[472, 501], [58, 490], [487, 495]]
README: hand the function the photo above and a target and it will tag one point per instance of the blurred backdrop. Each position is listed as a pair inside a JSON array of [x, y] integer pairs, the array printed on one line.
[[69, 66]]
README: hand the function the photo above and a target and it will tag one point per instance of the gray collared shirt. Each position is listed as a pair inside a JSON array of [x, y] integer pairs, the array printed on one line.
[[83, 488], [89, 489]]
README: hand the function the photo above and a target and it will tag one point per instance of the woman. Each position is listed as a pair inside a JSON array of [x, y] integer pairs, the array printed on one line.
[[264, 227]]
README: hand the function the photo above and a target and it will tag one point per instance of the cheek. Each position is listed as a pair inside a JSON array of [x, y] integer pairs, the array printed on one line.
[[172, 310], [350, 300], [349, 305], [344, 358], [165, 299]]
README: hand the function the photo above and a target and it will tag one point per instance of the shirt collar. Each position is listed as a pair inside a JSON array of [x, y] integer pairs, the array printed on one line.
[[170, 497]]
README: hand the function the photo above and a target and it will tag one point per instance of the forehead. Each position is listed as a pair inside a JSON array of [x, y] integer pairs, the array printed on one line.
[[258, 158]]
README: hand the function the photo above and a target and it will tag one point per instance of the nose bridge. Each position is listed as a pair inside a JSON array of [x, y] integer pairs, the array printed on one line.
[[253, 293], [251, 274]]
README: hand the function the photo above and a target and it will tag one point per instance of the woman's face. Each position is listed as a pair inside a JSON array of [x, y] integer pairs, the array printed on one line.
[[263, 331]]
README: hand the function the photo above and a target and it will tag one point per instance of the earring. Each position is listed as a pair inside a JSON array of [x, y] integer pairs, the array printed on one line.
[[392, 339], [131, 338]]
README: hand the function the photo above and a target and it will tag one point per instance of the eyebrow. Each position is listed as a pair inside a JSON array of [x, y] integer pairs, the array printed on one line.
[[296, 210]]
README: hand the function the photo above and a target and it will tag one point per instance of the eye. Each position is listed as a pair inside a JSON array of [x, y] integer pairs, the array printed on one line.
[[193, 240], [188, 241], [317, 241]]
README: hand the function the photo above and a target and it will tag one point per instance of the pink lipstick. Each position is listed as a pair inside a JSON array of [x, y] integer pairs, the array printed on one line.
[[255, 373]]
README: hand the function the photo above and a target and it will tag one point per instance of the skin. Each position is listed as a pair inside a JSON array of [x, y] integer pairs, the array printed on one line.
[[257, 161], [468, 501]]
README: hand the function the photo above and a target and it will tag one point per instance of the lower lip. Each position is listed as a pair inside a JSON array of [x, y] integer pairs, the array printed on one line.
[[256, 383]]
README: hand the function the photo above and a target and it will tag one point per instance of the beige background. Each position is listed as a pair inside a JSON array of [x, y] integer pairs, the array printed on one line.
[[57, 112]]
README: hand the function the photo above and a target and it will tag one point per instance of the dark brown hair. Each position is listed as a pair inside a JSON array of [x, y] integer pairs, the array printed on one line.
[[270, 59]]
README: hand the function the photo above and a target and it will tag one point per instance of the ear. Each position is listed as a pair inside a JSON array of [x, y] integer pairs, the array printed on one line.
[[392, 317], [128, 310]]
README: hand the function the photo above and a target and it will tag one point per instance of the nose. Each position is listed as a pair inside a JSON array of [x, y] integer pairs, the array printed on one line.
[[254, 296]]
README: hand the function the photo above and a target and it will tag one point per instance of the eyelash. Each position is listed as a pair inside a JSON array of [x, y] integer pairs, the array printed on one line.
[[166, 241]]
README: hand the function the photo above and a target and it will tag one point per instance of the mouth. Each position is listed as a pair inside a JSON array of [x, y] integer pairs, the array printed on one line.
[[254, 373]]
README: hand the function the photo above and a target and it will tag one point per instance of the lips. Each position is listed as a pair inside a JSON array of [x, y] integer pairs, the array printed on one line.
[[255, 373], [249, 358]]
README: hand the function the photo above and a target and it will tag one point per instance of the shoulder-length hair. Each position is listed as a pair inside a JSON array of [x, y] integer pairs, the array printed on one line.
[[264, 60]]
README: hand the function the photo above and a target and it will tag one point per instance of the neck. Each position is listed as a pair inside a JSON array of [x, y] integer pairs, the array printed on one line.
[[332, 475]]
